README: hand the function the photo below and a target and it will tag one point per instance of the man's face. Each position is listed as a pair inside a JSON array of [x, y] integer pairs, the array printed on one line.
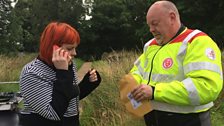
[[159, 24]]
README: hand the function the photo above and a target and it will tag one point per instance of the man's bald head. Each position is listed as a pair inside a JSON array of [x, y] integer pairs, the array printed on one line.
[[163, 20], [165, 7]]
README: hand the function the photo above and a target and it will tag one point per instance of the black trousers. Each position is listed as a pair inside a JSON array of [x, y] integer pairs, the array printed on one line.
[[9, 118], [160, 118], [37, 120]]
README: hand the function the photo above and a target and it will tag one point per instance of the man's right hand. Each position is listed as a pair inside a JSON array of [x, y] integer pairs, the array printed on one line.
[[142, 92]]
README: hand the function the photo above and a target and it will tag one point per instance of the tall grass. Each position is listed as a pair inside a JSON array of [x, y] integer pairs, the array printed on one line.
[[10, 69], [103, 107], [11, 66]]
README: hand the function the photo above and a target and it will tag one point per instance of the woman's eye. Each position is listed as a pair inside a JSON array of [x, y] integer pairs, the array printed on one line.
[[70, 49]]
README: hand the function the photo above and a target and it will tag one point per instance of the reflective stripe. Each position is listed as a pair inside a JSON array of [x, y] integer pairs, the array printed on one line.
[[178, 108], [191, 35], [137, 62], [189, 85], [141, 70], [202, 66], [162, 77], [146, 76], [147, 44], [192, 91], [183, 47], [146, 63], [137, 72], [181, 54]]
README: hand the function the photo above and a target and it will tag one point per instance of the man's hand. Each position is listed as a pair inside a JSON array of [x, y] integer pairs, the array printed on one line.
[[142, 92]]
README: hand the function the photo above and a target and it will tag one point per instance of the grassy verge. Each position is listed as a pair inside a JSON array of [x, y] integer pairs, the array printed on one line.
[[78, 63], [103, 106], [10, 69]]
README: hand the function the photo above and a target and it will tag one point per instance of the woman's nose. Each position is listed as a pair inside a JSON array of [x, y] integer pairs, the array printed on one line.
[[73, 52]]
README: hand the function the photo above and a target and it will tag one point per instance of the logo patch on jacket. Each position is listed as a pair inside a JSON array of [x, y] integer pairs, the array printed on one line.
[[167, 63], [210, 53]]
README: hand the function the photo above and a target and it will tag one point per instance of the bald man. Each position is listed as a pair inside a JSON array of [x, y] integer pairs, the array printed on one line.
[[179, 71]]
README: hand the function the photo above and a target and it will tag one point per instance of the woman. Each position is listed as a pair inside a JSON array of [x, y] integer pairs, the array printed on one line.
[[49, 83]]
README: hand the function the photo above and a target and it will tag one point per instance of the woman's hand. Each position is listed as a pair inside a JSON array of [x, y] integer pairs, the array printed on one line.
[[60, 58], [93, 76]]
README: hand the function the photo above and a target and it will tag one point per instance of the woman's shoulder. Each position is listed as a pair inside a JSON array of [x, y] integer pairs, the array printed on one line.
[[36, 66]]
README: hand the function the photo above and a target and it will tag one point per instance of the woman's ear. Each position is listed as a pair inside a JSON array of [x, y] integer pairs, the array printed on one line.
[[55, 47]]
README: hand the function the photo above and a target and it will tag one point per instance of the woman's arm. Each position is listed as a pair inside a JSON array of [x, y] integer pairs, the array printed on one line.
[[86, 86]]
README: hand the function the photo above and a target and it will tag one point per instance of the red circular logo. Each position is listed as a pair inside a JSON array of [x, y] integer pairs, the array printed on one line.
[[167, 63]]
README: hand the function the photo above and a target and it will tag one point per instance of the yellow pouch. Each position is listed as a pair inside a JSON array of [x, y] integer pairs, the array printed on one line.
[[127, 84]]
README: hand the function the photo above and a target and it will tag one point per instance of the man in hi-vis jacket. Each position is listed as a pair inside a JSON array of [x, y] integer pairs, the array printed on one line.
[[179, 71]]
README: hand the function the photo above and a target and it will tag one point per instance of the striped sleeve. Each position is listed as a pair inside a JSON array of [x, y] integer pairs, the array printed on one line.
[[37, 93]]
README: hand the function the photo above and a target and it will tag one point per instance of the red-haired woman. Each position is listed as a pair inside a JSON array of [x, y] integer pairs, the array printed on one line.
[[49, 83]]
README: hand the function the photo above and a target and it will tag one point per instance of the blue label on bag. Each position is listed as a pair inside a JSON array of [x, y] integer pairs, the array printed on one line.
[[135, 104]]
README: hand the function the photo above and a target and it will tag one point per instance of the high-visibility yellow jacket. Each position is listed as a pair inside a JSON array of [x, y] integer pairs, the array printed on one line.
[[186, 72]]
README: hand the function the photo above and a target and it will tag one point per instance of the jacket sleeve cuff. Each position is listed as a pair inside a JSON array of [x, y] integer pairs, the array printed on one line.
[[86, 87], [153, 89]]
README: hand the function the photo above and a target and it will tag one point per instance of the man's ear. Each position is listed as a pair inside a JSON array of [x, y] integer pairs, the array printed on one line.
[[173, 16]]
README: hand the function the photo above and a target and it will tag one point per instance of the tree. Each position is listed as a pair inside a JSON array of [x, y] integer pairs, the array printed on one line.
[[5, 10], [114, 25], [15, 32], [205, 15], [36, 14]]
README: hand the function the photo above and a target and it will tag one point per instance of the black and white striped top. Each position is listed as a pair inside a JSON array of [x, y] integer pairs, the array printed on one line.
[[37, 83]]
